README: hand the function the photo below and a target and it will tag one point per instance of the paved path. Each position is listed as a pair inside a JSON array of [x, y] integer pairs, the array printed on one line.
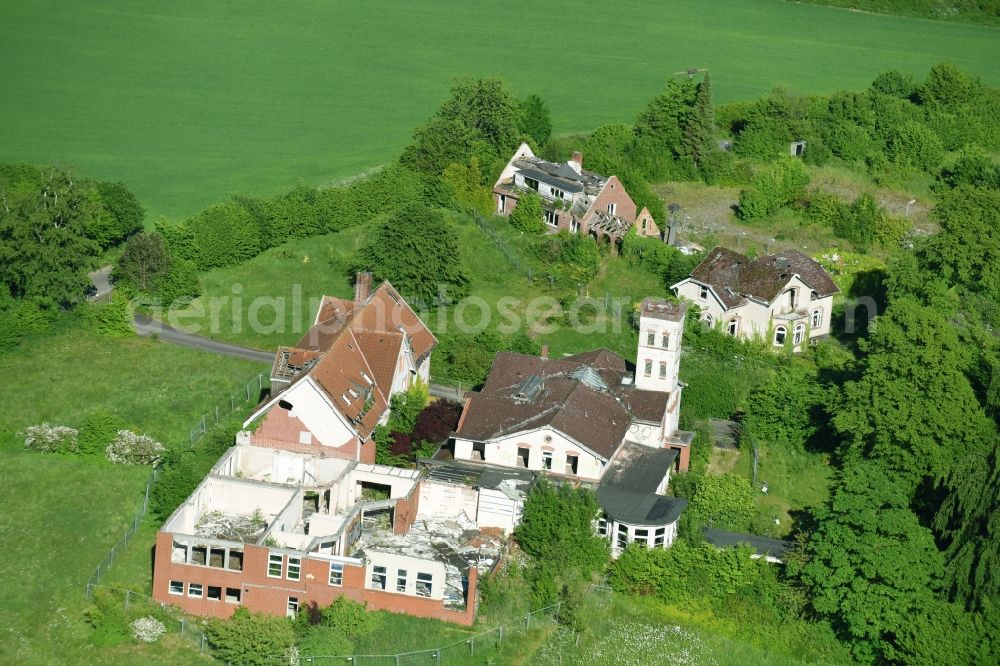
[[101, 279], [146, 326]]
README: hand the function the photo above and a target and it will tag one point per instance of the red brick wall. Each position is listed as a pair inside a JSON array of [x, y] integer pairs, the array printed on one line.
[[406, 511], [280, 430], [270, 595], [614, 192], [509, 203]]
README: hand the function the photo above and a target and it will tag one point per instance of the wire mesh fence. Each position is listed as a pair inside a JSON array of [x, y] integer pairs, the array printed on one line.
[[248, 394], [512, 256], [135, 604]]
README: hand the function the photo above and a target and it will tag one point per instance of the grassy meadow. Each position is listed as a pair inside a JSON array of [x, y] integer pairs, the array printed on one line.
[[187, 101], [59, 515], [298, 273]]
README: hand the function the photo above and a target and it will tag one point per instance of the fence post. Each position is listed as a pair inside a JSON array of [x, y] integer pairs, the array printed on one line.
[[232, 403], [216, 413], [260, 381], [203, 428], [527, 621], [472, 645], [501, 634], [182, 626], [248, 392], [203, 642], [128, 595]]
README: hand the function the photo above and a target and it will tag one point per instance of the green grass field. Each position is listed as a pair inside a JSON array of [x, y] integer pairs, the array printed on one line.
[[59, 515], [187, 101]]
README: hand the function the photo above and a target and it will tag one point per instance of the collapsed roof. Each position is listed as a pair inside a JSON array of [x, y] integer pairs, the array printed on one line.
[[734, 277]]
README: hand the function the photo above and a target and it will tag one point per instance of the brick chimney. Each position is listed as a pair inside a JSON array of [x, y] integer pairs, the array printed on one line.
[[362, 288], [577, 161], [545, 351]]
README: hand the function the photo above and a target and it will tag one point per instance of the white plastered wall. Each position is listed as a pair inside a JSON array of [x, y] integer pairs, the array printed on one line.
[[503, 451]]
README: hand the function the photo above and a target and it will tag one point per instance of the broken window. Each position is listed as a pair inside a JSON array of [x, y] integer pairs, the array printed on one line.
[[779, 335], [734, 327], [522, 456], [233, 595], [642, 536], [663, 369], [293, 606], [179, 553], [799, 334], [378, 578], [546, 460], [651, 338], [199, 555], [602, 526], [703, 294], [424, 584], [658, 541], [648, 370], [214, 593], [194, 590], [217, 557], [401, 580], [236, 560], [622, 536], [479, 451], [274, 565], [665, 341], [176, 587], [336, 574], [572, 463], [294, 570]]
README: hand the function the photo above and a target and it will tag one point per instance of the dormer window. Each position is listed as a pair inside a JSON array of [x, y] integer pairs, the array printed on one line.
[[557, 193], [368, 380], [813, 296], [347, 401]]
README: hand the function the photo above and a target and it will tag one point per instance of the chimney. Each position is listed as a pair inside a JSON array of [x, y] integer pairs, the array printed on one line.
[[576, 162], [362, 288], [545, 351]]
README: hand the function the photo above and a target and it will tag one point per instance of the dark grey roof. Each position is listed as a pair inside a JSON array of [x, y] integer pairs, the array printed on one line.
[[762, 545], [552, 179], [627, 491]]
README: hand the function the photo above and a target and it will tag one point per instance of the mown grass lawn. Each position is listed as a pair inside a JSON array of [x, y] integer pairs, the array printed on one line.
[[59, 515], [188, 101]]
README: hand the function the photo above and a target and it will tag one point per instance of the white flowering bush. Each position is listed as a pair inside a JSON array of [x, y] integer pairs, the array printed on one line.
[[147, 629], [129, 448], [49, 438]]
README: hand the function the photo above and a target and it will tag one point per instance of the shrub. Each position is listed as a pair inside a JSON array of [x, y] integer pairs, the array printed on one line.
[[224, 234], [50, 439], [350, 617], [112, 319], [147, 629], [249, 638], [914, 144], [778, 185], [129, 448], [100, 427], [527, 214], [724, 501], [568, 542]]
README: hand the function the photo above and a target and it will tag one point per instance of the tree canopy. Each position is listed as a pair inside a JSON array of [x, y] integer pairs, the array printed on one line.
[[417, 251]]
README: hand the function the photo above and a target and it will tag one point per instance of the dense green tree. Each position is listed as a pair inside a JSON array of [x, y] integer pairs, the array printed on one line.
[[535, 119], [464, 183], [144, 262], [770, 123], [438, 143], [557, 527], [915, 145], [895, 83], [699, 132], [786, 411], [969, 523], [98, 429], [661, 124], [488, 108], [975, 168], [123, 206], [44, 248], [775, 186], [417, 251], [948, 86], [913, 408], [223, 235], [871, 565], [527, 215]]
